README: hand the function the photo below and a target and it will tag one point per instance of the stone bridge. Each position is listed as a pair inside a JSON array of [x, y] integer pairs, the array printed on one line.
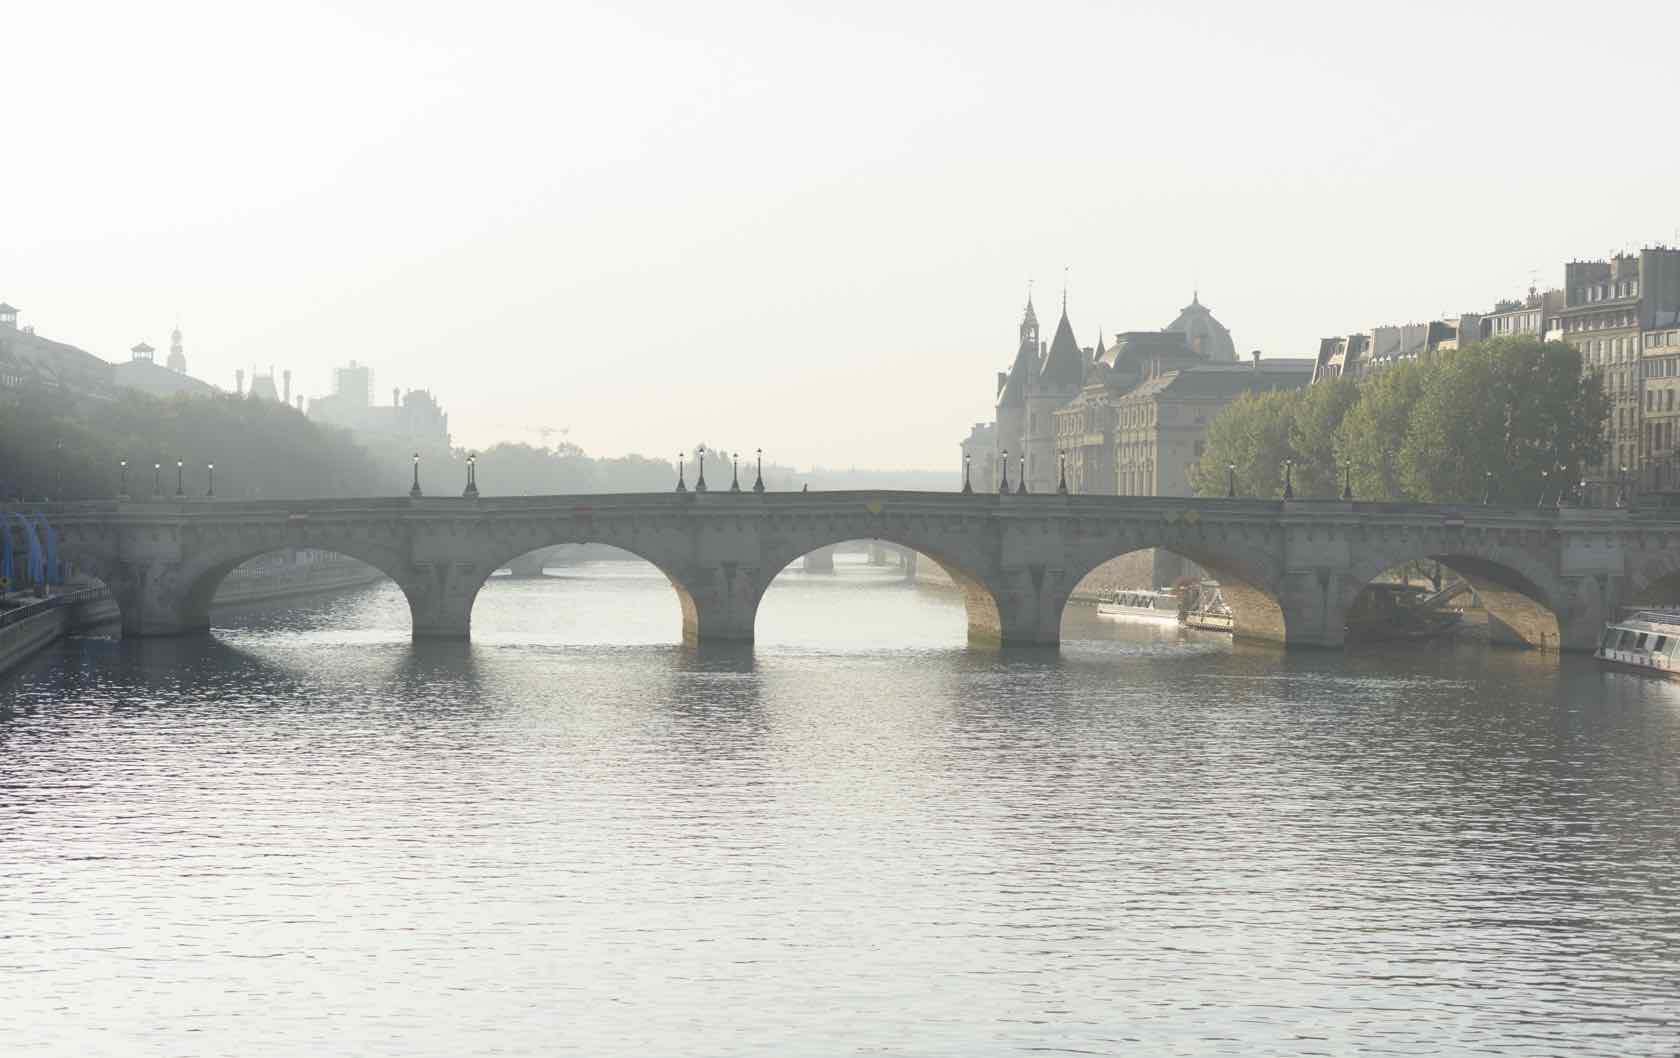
[[1290, 570]]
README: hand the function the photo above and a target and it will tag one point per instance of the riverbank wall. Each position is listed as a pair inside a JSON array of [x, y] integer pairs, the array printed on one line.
[[31, 628]]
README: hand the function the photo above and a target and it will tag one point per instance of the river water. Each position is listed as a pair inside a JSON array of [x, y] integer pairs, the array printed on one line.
[[303, 834]]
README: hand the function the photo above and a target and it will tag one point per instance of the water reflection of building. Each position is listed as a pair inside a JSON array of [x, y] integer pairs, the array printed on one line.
[[414, 417]]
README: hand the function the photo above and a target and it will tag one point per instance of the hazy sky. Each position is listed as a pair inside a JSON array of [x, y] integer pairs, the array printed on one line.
[[806, 227]]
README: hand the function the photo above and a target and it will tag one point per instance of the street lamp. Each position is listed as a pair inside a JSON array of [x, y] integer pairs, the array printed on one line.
[[180, 485], [122, 491], [682, 471], [1021, 485], [700, 482], [1487, 487], [1288, 479], [1622, 487], [210, 468], [1347, 481], [734, 472], [471, 491], [1230, 481], [758, 482], [968, 486], [157, 479], [1061, 484], [414, 492], [1003, 483], [1541, 502]]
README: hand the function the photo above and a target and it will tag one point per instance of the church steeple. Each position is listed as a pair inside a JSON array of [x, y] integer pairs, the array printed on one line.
[[1029, 322], [177, 361]]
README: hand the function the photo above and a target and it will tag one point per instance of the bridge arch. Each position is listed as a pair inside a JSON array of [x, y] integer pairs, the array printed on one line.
[[1526, 604], [201, 577], [506, 554], [1246, 581], [984, 622]]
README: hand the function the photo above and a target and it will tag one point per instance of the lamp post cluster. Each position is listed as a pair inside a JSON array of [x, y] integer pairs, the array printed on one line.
[[157, 479]]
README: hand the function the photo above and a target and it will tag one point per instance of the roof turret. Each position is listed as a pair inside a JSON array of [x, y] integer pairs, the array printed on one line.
[[1065, 363]]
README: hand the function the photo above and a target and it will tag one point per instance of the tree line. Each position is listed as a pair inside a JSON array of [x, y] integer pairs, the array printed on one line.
[[1511, 420]]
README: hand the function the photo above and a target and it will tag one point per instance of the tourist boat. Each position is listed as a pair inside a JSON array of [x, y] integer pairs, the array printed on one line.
[[1207, 610], [1159, 607], [1648, 640]]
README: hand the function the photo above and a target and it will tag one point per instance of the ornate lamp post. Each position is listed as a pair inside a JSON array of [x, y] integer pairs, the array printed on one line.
[[1347, 481], [471, 491], [122, 490], [414, 493], [1230, 481], [1288, 479], [157, 479], [758, 482], [1003, 484], [1622, 487], [1541, 502], [734, 472], [210, 468], [682, 470], [700, 482], [1061, 485], [180, 484], [1487, 487], [968, 486], [1021, 485]]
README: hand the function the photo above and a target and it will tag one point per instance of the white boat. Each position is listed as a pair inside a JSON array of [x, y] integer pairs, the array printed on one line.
[[1207, 609], [1154, 606], [1648, 640]]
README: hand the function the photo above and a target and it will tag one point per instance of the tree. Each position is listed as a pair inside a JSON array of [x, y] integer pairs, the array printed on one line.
[[1312, 436], [1370, 434], [1513, 415], [1253, 432]]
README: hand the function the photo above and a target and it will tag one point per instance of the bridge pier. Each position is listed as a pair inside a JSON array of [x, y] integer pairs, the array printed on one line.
[[440, 598], [719, 602]]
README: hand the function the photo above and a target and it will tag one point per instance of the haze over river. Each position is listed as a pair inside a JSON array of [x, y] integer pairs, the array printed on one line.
[[304, 834]]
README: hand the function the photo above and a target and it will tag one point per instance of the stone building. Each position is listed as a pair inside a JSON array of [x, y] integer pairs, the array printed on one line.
[[415, 417], [144, 373], [28, 360], [980, 456], [1162, 423], [1660, 438], [1610, 305]]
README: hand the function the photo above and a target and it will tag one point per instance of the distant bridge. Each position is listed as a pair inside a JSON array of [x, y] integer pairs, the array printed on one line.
[[1290, 570]]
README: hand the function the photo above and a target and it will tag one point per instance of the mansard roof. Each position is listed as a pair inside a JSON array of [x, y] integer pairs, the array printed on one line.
[[1065, 364]]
